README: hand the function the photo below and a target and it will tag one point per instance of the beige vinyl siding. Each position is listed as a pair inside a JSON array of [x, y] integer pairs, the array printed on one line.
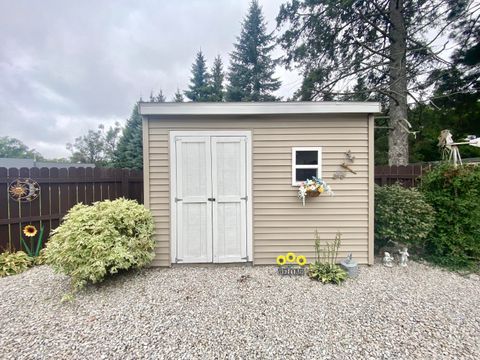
[[280, 223]]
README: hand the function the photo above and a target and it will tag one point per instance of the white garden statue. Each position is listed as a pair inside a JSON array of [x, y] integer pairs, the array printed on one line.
[[387, 259], [403, 256]]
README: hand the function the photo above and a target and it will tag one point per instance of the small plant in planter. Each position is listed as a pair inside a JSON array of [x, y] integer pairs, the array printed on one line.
[[313, 188], [324, 268]]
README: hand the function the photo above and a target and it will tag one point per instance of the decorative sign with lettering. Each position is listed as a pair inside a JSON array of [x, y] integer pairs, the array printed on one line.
[[291, 264]]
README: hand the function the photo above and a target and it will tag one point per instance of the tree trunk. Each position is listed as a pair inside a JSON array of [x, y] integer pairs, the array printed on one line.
[[398, 136]]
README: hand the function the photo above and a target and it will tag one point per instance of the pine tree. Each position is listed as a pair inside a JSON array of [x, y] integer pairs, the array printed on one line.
[[383, 42], [251, 66], [216, 81], [199, 89], [160, 98], [178, 97], [129, 153]]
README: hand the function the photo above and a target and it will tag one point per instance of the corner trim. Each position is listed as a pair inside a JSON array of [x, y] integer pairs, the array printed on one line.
[[371, 189]]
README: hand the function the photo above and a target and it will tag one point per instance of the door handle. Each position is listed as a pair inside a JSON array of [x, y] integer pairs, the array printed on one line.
[[211, 199]]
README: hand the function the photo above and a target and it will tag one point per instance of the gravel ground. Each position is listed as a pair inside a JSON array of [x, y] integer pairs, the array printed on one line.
[[242, 312]]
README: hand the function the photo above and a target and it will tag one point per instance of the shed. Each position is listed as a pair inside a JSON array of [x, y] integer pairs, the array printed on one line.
[[221, 179]]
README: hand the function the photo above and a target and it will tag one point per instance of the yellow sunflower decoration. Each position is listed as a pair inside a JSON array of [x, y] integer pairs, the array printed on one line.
[[281, 260], [30, 231], [301, 260], [291, 257]]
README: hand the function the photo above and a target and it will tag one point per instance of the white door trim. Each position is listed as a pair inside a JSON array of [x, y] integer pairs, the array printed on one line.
[[173, 190]]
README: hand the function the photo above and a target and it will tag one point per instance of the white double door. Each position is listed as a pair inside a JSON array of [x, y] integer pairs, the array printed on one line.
[[210, 200]]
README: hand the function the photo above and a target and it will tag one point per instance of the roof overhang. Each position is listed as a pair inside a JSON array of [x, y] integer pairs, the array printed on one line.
[[258, 108]]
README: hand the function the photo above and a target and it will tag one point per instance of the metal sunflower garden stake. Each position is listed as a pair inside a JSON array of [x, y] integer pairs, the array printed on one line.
[[30, 231]]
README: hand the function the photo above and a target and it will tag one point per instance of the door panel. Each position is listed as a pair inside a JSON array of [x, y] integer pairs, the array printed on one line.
[[229, 191], [194, 211]]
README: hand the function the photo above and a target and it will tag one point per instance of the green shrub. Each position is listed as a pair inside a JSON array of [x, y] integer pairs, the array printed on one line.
[[101, 239], [40, 259], [14, 263], [325, 269], [402, 216], [454, 193]]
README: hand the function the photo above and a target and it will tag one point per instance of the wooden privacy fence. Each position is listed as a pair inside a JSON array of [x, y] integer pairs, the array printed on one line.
[[60, 189], [408, 176]]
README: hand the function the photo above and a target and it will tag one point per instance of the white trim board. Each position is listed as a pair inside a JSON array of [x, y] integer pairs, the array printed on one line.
[[173, 190], [262, 108]]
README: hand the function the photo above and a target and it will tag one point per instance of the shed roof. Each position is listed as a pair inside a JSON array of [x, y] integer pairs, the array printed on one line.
[[259, 108]]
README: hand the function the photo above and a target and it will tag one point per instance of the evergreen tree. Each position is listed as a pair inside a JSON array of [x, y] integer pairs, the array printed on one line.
[[251, 65], [216, 81], [384, 42], [160, 98], [178, 97], [456, 97], [199, 89], [129, 152]]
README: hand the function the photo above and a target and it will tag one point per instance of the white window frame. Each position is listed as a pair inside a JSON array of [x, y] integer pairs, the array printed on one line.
[[295, 166]]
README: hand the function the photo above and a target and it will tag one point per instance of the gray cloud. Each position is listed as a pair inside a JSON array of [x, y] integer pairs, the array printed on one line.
[[66, 66]]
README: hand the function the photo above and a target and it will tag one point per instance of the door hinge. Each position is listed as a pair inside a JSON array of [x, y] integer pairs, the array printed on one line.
[[211, 199], [177, 259], [244, 198], [177, 199], [245, 258]]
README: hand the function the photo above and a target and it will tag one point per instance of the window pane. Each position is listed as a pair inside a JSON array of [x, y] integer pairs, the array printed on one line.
[[304, 174], [307, 157]]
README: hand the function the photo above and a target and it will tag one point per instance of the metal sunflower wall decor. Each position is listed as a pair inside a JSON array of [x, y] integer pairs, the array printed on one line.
[[23, 190]]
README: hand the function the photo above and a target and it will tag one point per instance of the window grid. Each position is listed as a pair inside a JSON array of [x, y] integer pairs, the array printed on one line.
[[318, 166]]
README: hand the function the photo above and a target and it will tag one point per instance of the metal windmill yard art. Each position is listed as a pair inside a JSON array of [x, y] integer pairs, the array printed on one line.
[[450, 147], [23, 190]]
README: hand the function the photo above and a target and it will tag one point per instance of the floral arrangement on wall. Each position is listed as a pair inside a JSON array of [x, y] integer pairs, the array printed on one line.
[[312, 188]]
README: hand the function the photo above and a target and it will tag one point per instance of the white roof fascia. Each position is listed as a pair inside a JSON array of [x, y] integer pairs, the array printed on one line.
[[259, 108]]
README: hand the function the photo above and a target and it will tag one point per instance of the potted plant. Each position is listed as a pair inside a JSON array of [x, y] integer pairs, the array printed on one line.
[[312, 188]]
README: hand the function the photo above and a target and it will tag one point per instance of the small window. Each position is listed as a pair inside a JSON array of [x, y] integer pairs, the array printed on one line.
[[306, 163]]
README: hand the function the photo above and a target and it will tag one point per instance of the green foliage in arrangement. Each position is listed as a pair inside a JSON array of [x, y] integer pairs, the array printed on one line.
[[402, 216], [101, 239], [454, 193], [14, 263], [325, 269]]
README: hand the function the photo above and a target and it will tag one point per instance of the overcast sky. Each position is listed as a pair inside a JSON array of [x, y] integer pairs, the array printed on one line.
[[67, 66]]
